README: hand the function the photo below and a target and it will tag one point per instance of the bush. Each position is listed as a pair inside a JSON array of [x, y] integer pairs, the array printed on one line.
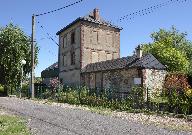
[[178, 102], [176, 81], [136, 97], [1, 89], [25, 90], [175, 101]]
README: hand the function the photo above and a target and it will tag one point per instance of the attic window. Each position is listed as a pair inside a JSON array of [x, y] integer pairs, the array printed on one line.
[[72, 37]]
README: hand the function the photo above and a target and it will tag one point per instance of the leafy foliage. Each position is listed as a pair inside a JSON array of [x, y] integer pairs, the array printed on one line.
[[176, 101], [176, 81], [1, 88], [172, 49], [15, 46], [83, 96], [179, 101]]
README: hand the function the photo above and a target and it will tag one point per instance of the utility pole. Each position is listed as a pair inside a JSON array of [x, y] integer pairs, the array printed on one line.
[[32, 56]]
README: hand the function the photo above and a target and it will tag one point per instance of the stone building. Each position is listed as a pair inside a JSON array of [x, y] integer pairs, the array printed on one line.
[[86, 40], [50, 73], [89, 54], [121, 74]]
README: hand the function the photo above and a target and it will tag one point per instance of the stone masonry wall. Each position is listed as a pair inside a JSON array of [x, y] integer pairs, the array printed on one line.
[[99, 43], [93, 43], [120, 81], [153, 80], [70, 74]]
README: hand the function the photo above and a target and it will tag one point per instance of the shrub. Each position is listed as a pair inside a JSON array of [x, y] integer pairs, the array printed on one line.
[[189, 93], [1, 88], [178, 102], [176, 81], [25, 90], [136, 97]]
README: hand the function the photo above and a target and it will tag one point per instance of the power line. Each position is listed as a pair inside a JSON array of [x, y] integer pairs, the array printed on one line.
[[148, 10], [60, 8], [139, 12], [49, 35]]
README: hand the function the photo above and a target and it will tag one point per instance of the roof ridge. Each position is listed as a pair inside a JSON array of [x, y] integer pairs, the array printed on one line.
[[89, 17]]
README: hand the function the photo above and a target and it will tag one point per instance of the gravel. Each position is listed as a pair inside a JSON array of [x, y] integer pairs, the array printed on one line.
[[44, 119]]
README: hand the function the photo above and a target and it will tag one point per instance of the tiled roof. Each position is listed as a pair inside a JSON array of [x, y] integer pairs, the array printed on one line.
[[51, 71], [89, 18], [146, 61], [53, 66]]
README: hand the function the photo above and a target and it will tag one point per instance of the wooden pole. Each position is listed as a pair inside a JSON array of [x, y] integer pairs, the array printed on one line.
[[32, 56]]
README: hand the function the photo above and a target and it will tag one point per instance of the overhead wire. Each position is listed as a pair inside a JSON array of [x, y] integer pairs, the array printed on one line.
[[148, 10], [48, 35], [52, 11]]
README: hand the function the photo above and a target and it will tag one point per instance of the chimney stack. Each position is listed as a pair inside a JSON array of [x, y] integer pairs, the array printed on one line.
[[96, 14], [139, 51]]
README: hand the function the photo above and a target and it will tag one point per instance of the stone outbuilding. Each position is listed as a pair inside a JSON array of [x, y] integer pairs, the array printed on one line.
[[121, 74], [50, 73], [89, 54]]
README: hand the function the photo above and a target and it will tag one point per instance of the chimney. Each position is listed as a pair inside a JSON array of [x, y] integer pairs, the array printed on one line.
[[96, 14], [139, 51]]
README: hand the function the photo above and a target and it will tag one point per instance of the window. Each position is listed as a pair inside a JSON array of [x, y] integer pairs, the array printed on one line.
[[72, 58], [64, 60], [61, 41], [72, 37], [64, 41], [94, 37], [94, 57], [108, 39], [97, 37], [61, 80], [109, 56]]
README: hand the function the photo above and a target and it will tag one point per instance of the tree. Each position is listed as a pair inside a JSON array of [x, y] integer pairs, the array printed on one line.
[[15, 46], [172, 49]]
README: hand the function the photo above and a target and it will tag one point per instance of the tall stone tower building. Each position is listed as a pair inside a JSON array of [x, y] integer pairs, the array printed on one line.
[[86, 40]]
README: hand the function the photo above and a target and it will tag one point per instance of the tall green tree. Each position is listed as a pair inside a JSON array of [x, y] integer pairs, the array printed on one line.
[[15, 46], [172, 49]]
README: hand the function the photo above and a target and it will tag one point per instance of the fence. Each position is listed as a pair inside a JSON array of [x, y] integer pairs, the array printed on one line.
[[113, 99]]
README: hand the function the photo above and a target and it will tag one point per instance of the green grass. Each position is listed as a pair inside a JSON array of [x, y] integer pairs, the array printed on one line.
[[12, 125]]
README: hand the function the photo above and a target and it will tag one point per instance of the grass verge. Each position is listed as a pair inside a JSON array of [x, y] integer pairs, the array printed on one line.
[[12, 125]]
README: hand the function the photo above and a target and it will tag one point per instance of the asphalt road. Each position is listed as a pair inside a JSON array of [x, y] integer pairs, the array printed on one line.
[[55, 120]]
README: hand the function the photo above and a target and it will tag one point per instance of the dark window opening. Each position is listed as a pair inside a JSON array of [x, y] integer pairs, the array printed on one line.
[[72, 37], [63, 42], [64, 60], [72, 58], [61, 81]]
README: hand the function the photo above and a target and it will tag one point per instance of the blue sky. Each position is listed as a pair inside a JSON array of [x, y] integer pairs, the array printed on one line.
[[135, 31]]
